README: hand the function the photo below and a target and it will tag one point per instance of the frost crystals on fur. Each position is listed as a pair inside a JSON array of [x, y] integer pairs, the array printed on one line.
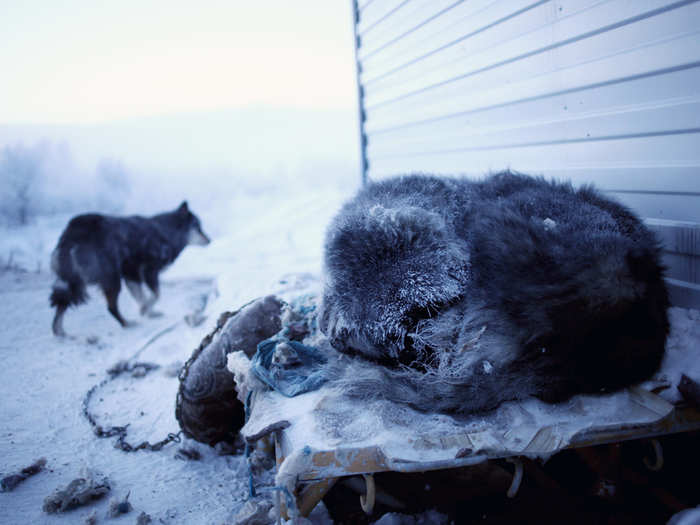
[[449, 290]]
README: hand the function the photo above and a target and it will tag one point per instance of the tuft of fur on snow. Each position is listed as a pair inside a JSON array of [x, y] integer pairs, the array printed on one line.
[[10, 482], [90, 486], [188, 454], [240, 366]]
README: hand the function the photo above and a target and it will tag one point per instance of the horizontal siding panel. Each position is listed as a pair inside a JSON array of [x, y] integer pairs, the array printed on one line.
[[670, 207], [658, 151], [516, 81], [654, 179], [682, 268], [579, 93], [657, 180], [679, 117], [516, 26], [502, 113], [563, 44], [677, 237], [408, 20], [374, 14], [683, 294], [453, 28]]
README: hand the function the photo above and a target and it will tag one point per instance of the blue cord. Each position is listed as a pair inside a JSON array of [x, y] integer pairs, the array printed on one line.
[[252, 493], [313, 381], [251, 485]]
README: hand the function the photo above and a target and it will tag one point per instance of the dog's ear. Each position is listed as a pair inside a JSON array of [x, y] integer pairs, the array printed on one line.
[[183, 208]]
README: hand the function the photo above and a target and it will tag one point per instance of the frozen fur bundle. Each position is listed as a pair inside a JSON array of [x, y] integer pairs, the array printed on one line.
[[458, 295]]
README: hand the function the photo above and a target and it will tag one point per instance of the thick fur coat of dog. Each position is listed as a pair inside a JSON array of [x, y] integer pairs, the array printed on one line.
[[464, 294], [103, 250]]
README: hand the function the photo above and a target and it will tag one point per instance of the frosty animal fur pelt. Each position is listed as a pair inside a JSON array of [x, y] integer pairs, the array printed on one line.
[[464, 294]]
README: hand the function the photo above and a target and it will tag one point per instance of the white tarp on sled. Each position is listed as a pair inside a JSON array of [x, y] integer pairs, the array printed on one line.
[[322, 434]]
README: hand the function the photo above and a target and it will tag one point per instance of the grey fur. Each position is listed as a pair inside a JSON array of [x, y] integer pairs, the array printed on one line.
[[470, 293], [103, 250]]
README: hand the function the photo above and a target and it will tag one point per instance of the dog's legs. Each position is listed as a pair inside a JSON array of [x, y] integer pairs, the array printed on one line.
[[150, 276], [57, 325], [112, 294], [136, 291]]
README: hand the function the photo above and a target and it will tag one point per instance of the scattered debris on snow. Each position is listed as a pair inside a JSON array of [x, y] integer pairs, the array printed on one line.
[[144, 519], [10, 482], [254, 512], [119, 507], [188, 454], [90, 486]]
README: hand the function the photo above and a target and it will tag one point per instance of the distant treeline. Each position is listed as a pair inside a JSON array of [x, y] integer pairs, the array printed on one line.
[[43, 179]]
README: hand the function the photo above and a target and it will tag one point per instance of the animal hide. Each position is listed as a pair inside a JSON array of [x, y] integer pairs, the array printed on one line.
[[458, 295]]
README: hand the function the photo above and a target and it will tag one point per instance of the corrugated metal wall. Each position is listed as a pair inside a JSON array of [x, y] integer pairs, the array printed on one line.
[[601, 91]]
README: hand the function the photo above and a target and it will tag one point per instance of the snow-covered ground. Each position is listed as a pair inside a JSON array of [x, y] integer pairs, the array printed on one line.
[[263, 240], [258, 239]]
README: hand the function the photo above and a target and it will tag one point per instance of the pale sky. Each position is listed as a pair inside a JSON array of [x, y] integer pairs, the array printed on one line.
[[89, 61]]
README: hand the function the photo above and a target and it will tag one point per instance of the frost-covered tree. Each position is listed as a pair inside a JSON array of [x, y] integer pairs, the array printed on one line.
[[20, 169], [112, 185]]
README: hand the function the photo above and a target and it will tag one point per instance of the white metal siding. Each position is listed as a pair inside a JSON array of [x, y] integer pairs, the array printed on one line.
[[593, 91]]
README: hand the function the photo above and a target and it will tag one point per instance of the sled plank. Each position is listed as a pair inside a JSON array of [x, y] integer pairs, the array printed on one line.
[[479, 446]]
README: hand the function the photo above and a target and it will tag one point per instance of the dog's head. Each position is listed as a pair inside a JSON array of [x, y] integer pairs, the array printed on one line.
[[195, 235]]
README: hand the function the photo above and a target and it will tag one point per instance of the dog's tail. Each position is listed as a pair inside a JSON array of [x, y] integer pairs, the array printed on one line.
[[69, 288]]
